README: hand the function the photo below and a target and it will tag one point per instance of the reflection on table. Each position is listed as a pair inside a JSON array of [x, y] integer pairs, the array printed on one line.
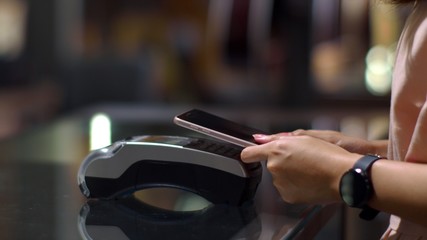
[[130, 218]]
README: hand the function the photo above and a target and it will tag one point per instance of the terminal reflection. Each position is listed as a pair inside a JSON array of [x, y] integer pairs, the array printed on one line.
[[167, 218]]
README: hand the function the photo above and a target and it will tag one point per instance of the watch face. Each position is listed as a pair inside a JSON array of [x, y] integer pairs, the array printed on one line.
[[353, 188]]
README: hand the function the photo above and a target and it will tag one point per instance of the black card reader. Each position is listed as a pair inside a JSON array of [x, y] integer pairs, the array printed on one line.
[[206, 167]]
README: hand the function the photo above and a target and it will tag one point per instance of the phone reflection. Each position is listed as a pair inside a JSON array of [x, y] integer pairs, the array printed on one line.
[[166, 214]]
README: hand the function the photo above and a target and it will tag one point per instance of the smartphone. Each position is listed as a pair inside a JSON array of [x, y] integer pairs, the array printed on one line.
[[217, 127]]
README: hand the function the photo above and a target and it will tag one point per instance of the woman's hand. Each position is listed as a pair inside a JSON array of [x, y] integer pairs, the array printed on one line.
[[305, 169], [351, 144]]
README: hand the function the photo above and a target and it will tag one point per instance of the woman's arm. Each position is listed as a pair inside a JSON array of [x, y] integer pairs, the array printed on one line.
[[307, 169], [379, 147], [400, 189]]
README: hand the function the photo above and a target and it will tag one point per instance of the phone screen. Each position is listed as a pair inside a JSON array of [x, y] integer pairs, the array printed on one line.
[[217, 127]]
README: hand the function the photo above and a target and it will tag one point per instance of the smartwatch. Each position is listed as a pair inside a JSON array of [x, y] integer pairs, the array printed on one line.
[[356, 186]]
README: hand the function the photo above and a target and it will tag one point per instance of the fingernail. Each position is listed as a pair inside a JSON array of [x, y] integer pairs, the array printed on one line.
[[260, 136]]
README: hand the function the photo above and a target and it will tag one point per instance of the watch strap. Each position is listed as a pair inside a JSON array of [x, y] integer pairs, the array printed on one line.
[[365, 164]]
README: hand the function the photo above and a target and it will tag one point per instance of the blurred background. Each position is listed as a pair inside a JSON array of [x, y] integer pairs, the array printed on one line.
[[322, 64], [63, 55]]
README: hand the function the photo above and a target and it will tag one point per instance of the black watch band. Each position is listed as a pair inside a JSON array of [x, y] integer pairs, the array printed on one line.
[[364, 191], [365, 162]]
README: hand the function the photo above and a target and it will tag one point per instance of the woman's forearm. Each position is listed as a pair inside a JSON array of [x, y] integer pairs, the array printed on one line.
[[380, 147], [400, 189]]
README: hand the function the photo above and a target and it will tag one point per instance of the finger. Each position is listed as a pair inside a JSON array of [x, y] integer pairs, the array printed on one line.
[[312, 132], [298, 132], [262, 138], [326, 135], [254, 154]]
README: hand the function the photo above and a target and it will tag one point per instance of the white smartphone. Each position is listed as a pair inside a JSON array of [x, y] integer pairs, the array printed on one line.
[[217, 127]]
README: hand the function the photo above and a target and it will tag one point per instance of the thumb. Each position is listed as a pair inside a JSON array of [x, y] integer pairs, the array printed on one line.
[[254, 154]]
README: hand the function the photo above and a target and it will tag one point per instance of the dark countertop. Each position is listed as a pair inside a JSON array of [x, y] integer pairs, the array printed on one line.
[[40, 198]]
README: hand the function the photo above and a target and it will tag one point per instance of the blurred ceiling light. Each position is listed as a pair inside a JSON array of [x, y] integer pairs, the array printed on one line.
[[379, 68], [12, 25], [100, 131]]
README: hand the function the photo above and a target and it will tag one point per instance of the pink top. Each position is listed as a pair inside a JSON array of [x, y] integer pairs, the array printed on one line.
[[408, 128]]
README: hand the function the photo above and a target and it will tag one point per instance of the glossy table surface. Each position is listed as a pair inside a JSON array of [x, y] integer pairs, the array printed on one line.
[[40, 198]]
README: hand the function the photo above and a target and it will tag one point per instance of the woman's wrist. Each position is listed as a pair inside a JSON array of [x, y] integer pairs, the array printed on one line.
[[346, 165]]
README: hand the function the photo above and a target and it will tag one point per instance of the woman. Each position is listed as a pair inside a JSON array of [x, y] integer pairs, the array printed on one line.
[[310, 166]]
